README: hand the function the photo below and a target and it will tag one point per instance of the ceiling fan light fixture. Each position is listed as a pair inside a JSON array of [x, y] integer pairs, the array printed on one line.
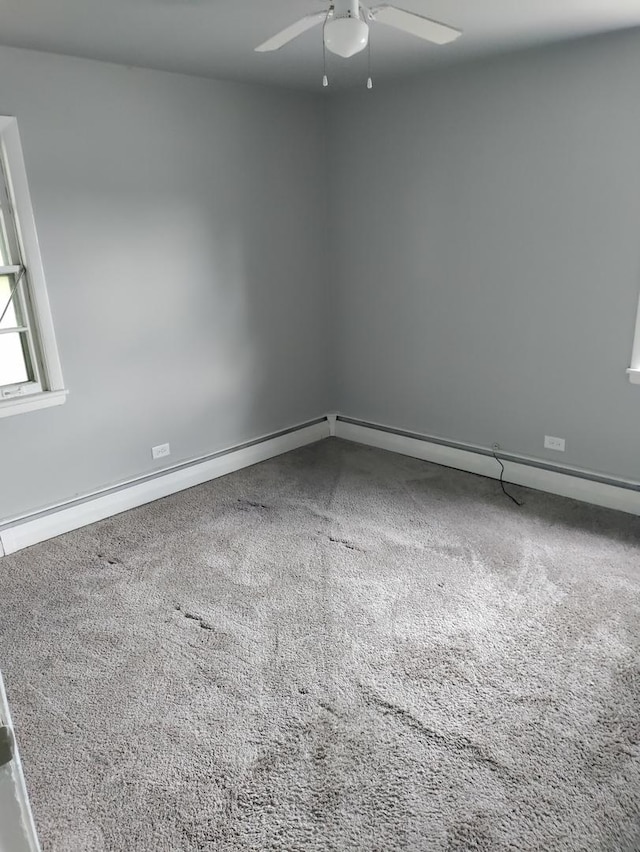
[[346, 36]]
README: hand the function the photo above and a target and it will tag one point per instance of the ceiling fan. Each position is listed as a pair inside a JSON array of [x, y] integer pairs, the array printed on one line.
[[346, 27]]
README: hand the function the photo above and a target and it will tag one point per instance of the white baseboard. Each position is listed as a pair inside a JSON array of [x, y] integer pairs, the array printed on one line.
[[566, 482], [95, 507]]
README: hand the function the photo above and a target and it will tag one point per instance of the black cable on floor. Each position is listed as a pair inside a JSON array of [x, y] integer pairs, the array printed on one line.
[[504, 490]]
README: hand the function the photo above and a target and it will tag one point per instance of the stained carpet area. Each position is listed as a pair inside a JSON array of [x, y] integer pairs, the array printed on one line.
[[338, 649]]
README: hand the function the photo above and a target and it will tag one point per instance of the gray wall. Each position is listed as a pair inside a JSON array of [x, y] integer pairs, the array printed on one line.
[[179, 222], [487, 233], [481, 280]]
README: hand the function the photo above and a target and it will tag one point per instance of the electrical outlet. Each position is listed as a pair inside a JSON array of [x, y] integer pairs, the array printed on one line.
[[161, 451], [551, 443]]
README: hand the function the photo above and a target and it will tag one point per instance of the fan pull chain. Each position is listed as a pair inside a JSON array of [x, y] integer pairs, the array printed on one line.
[[369, 80], [325, 79]]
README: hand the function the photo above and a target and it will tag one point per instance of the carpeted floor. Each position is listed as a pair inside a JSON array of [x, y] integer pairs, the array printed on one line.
[[339, 649]]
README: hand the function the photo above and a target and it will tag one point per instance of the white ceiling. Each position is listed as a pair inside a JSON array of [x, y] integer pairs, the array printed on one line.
[[215, 38]]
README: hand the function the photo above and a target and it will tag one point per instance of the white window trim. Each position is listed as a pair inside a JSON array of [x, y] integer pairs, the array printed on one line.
[[634, 370], [54, 392]]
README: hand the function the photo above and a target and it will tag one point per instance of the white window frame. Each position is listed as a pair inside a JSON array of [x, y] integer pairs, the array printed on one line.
[[50, 388], [634, 370]]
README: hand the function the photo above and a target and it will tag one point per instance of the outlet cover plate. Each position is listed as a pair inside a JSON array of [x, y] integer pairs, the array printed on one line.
[[160, 451], [551, 443]]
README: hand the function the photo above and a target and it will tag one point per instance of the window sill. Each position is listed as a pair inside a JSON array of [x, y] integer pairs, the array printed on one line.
[[634, 375], [22, 404]]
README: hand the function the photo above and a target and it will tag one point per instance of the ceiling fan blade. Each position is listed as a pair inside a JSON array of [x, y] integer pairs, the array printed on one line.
[[415, 24], [293, 31]]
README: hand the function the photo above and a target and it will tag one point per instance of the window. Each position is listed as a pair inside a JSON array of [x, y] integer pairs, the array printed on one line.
[[30, 374], [634, 370]]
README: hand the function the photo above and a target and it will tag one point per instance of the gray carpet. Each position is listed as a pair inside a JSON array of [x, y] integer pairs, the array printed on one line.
[[339, 649]]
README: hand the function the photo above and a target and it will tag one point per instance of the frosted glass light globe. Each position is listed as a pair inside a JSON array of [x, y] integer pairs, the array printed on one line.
[[346, 36]]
